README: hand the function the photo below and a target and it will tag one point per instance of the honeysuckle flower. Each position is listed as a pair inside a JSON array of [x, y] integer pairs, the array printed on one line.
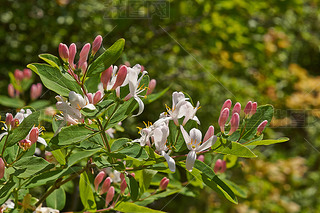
[[224, 115], [105, 186], [248, 108], [226, 104], [253, 108], [109, 196], [98, 179], [160, 139], [27, 73], [63, 52], [11, 91], [152, 85], [96, 44], [72, 54], [33, 136], [236, 108], [234, 123], [195, 144], [114, 175], [220, 166], [83, 56], [164, 184], [18, 75], [189, 112], [178, 100], [9, 204], [35, 91], [46, 210]]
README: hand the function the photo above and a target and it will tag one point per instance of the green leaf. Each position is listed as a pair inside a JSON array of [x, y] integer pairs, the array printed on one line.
[[49, 177], [86, 192], [232, 148], [134, 150], [203, 172], [29, 166], [145, 177], [40, 104], [59, 156], [106, 59], [51, 59], [157, 196], [238, 190], [11, 102], [23, 129], [6, 190], [264, 112], [81, 154], [57, 199], [70, 135], [54, 80], [133, 188], [119, 143], [267, 142], [131, 207]]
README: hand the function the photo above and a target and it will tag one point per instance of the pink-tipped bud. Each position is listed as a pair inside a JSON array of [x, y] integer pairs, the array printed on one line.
[[133, 175], [15, 123], [63, 52], [209, 133], [121, 76], [9, 119], [105, 77], [97, 97], [224, 115], [105, 186], [90, 98], [122, 176], [27, 73], [25, 144], [34, 134], [248, 108], [220, 166], [84, 54], [152, 85], [98, 179], [253, 108], [201, 158], [96, 44], [235, 119], [36, 90], [227, 104], [236, 108], [72, 54], [18, 75], [39, 90], [84, 67], [2, 168], [261, 127], [11, 90], [123, 186], [163, 184], [110, 195]]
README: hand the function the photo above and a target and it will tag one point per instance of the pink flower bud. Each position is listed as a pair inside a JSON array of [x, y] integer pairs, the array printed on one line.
[[254, 108], [72, 54], [261, 127], [122, 176], [220, 166], [84, 54], [11, 90], [105, 186], [15, 123], [63, 52], [39, 90], [36, 90], [163, 184], [18, 74], [123, 186], [9, 119], [25, 144], [236, 108], [201, 158], [133, 175], [33, 135], [2, 168], [152, 85], [235, 119], [227, 104], [90, 98], [209, 133], [98, 179], [97, 97], [248, 108], [121, 76], [224, 115], [96, 44], [27, 73], [110, 195], [84, 67], [105, 77], [142, 68]]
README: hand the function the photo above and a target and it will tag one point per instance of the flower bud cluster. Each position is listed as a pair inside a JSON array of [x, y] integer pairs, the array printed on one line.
[[15, 89]]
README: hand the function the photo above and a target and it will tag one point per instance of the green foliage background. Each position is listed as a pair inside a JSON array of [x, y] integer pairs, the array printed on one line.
[[213, 50]]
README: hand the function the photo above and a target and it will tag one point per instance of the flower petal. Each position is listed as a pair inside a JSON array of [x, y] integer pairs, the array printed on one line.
[[186, 137], [196, 135], [207, 144], [170, 161], [42, 141], [141, 105], [190, 160], [90, 106]]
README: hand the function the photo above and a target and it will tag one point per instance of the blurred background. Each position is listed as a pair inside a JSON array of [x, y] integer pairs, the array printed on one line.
[[266, 51]]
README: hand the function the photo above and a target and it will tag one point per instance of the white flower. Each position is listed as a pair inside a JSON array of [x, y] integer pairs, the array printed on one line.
[[160, 139], [189, 112], [178, 102], [114, 175], [195, 144]]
